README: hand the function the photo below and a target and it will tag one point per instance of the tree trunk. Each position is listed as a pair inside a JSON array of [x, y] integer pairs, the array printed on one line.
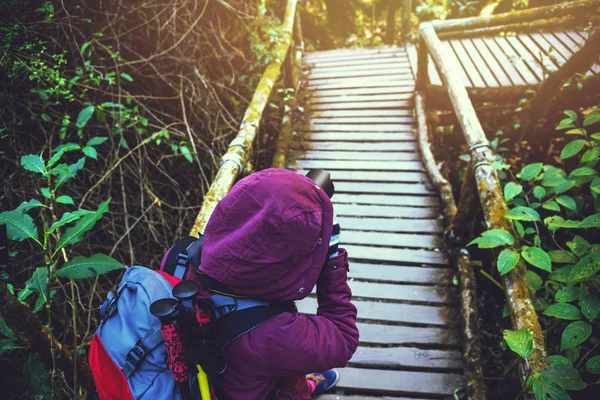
[[390, 33]]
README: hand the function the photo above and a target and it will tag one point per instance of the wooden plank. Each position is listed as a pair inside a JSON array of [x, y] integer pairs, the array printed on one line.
[[462, 72], [472, 73], [363, 165], [360, 136], [434, 76], [409, 88], [554, 55], [405, 358], [401, 274], [400, 292], [556, 44], [392, 225], [580, 41], [365, 146], [480, 63], [368, 120], [399, 382], [407, 335], [344, 127], [516, 60], [492, 63], [362, 210], [356, 62], [390, 239], [339, 53], [502, 59], [398, 200], [527, 57], [330, 73], [539, 53], [352, 57], [350, 83], [362, 99], [398, 62], [343, 115], [360, 155], [361, 105], [369, 176], [408, 256], [394, 312], [411, 52], [383, 187]]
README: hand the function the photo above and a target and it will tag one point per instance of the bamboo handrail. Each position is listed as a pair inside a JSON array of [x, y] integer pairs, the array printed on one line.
[[238, 152], [490, 193]]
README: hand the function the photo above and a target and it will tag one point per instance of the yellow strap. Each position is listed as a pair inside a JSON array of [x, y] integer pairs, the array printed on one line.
[[203, 384]]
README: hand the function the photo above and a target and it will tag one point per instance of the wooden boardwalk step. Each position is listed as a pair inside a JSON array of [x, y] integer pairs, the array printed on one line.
[[384, 188], [361, 136], [397, 200], [367, 120], [391, 239], [345, 127], [355, 73], [363, 165], [377, 334], [345, 114], [400, 274], [406, 89], [366, 147], [392, 225], [365, 99], [408, 256], [354, 210], [379, 176], [361, 105], [360, 155], [403, 358], [412, 293]]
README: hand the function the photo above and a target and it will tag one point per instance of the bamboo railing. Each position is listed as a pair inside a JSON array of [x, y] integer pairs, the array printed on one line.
[[484, 177], [238, 154]]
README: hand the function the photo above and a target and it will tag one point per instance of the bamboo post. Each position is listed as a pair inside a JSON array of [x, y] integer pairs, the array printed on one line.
[[525, 16], [422, 84], [235, 159], [490, 194], [406, 13]]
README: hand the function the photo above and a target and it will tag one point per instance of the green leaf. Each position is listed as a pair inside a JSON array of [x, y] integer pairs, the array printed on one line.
[[126, 76], [593, 365], [591, 119], [519, 228], [523, 214], [555, 359], [562, 257], [590, 155], [562, 187], [574, 334], [95, 141], [551, 205], [530, 171], [28, 205], [90, 152], [64, 199], [565, 124], [33, 163], [84, 116], [537, 257], [586, 267], [576, 131], [20, 226], [571, 114], [590, 306], [112, 105], [511, 190], [567, 202], [564, 375], [534, 280], [539, 192], [579, 246], [507, 260], [72, 171], [583, 171], [82, 267], [563, 311], [37, 380], [39, 283], [46, 192], [493, 238], [5, 330], [561, 274], [67, 218], [572, 148], [567, 294], [519, 341], [8, 345], [60, 151], [592, 221], [75, 233], [547, 390]]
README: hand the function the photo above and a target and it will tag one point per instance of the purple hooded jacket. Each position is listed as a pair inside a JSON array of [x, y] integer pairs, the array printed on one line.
[[268, 239]]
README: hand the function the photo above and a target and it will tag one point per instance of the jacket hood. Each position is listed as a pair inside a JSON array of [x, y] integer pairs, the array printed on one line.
[[268, 238]]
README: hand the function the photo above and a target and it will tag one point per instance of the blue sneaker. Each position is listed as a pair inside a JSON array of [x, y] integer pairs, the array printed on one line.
[[324, 380]]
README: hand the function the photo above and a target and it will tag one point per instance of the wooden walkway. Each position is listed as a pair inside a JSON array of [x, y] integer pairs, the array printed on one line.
[[360, 127], [497, 61]]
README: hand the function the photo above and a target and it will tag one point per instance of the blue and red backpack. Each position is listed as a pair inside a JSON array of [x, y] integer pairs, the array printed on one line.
[[154, 332]]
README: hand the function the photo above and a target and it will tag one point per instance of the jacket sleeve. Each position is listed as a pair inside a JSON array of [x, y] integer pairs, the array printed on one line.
[[306, 344]]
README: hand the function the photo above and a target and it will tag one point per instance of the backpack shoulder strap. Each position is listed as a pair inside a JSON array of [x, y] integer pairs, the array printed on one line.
[[177, 259]]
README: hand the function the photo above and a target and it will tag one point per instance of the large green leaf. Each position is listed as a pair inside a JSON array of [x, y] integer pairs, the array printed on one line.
[[39, 284], [60, 151], [83, 267], [33, 163], [582, 171], [84, 116], [75, 233], [576, 333], [572, 148], [493, 238], [590, 306], [20, 226], [551, 205], [535, 281], [567, 202], [64, 199], [507, 260], [519, 341], [579, 246], [537, 257], [530, 171], [72, 171], [511, 190], [593, 365], [539, 192], [585, 268], [548, 390], [565, 375], [28, 205], [5, 330], [561, 274], [563, 311], [37, 380], [8, 345], [592, 221], [523, 214], [97, 140], [562, 257], [567, 294], [69, 217]]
